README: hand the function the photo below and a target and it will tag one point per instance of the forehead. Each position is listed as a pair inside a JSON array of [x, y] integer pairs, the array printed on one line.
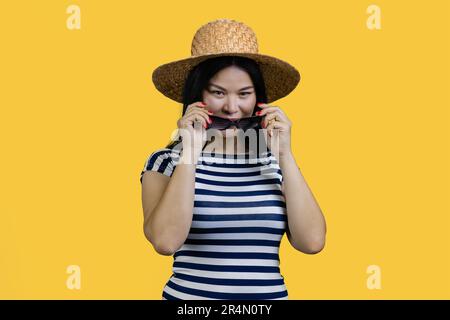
[[231, 77]]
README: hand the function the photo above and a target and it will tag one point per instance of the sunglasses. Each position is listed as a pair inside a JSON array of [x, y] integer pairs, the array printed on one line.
[[243, 123]]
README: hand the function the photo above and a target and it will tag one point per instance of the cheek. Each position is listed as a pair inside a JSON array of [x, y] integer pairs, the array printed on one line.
[[250, 104], [213, 105], [212, 102]]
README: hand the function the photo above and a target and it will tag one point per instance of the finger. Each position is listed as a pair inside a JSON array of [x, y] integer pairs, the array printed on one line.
[[274, 126], [266, 110], [204, 110], [281, 115], [195, 120], [197, 116], [198, 124], [204, 115], [268, 119], [194, 110], [197, 109], [274, 116], [196, 105]]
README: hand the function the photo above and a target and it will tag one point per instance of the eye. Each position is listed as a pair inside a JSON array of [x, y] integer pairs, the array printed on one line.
[[215, 91], [246, 93]]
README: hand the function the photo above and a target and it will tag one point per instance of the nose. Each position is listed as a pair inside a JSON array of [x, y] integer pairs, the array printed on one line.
[[231, 107]]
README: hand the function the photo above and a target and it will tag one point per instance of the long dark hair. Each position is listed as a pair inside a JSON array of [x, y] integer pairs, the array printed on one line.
[[198, 79]]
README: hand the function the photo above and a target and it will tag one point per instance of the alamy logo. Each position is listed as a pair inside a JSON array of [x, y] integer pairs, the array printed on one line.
[[374, 278], [74, 20], [74, 280], [374, 19]]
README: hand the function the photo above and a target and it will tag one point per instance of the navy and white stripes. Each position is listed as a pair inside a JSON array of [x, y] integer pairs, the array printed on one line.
[[160, 161], [239, 219]]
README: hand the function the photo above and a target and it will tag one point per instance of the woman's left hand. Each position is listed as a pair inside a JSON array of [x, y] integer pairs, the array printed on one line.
[[278, 126]]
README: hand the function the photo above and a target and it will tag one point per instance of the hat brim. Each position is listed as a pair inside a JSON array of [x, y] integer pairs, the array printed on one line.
[[280, 77]]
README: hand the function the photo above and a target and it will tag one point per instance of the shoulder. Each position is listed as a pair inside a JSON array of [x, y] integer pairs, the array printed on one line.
[[162, 160], [163, 154]]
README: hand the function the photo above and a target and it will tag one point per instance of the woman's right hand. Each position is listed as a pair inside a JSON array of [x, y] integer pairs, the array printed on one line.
[[194, 122]]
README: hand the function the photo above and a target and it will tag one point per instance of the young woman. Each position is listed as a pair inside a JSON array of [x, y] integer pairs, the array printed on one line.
[[222, 206]]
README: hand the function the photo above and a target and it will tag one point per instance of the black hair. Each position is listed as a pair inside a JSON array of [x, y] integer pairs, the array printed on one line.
[[199, 76]]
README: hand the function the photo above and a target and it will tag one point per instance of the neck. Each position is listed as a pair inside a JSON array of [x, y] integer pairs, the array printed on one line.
[[231, 145]]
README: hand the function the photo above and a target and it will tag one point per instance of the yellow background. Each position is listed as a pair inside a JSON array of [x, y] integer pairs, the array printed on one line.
[[80, 115]]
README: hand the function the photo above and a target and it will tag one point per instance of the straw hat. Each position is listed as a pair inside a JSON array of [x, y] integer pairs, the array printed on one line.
[[225, 37]]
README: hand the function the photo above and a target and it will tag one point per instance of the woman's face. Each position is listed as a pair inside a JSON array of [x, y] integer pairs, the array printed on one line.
[[230, 94]]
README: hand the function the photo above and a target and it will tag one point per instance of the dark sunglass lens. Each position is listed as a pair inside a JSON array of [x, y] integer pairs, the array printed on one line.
[[218, 123], [249, 123]]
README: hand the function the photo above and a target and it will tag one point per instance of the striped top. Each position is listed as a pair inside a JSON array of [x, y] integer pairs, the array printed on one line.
[[239, 219]]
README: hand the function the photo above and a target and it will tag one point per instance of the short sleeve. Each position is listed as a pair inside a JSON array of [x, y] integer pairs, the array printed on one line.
[[162, 161]]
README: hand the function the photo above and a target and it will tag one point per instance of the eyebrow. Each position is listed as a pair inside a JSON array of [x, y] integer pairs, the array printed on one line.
[[215, 85]]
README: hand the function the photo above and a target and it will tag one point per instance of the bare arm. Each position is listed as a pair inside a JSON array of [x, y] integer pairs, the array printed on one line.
[[168, 203], [168, 206], [307, 227]]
